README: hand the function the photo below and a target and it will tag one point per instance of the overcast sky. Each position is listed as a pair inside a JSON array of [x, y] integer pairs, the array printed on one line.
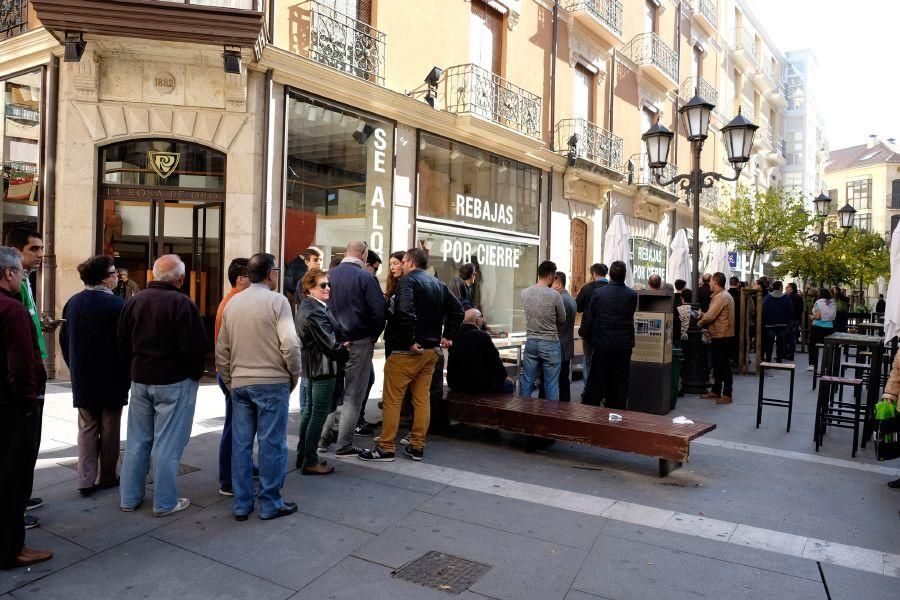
[[856, 44]]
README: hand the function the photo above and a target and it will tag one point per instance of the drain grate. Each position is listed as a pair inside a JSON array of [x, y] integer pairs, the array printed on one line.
[[443, 572], [183, 469]]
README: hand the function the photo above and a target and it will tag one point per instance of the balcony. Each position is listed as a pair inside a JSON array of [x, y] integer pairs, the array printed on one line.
[[709, 198], [595, 144], [893, 201], [13, 18], [212, 22], [764, 77], [774, 147], [472, 90], [654, 58], [778, 96], [705, 14], [601, 17], [346, 44], [698, 86], [744, 47], [639, 173]]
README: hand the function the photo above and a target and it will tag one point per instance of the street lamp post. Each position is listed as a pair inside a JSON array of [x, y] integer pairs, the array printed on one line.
[[845, 214], [738, 136]]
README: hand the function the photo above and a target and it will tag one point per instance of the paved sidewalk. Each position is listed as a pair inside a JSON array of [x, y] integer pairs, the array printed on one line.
[[755, 514]]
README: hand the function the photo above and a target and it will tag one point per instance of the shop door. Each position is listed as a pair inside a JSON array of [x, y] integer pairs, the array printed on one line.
[[579, 254], [206, 267]]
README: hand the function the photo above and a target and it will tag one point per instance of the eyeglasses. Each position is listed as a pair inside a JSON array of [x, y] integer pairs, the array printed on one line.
[[111, 273], [325, 285]]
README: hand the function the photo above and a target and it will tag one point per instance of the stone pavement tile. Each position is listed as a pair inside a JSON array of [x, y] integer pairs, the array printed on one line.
[[576, 595], [517, 516], [624, 569], [149, 568], [48, 472], [854, 557], [65, 553], [728, 552], [892, 565], [290, 551], [362, 504], [96, 522], [850, 584], [353, 579], [522, 567], [700, 526], [414, 484]]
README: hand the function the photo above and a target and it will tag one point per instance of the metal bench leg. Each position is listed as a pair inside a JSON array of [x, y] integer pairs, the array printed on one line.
[[759, 399], [666, 466], [790, 403]]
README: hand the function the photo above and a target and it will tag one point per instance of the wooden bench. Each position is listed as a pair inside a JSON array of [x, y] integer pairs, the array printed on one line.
[[641, 433]]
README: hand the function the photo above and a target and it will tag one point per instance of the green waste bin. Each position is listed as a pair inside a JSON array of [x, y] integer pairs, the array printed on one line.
[[677, 360]]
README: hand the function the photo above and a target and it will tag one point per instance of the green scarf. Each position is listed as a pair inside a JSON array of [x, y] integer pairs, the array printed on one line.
[[28, 300]]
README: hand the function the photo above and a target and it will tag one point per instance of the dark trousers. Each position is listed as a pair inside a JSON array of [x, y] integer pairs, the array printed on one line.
[[16, 474], [793, 328], [37, 424], [439, 417], [361, 420], [721, 358], [608, 379], [816, 335], [565, 393], [320, 393], [777, 335]]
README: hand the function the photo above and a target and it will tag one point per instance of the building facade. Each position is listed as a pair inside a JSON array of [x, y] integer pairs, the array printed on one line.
[[805, 142], [498, 132]]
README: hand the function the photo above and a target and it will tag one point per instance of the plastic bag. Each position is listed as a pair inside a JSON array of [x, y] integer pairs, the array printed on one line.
[[887, 431]]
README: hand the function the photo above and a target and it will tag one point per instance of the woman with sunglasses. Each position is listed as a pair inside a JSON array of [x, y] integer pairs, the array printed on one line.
[[100, 378], [324, 354]]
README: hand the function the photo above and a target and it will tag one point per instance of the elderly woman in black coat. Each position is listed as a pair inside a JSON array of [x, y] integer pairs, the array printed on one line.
[[100, 378]]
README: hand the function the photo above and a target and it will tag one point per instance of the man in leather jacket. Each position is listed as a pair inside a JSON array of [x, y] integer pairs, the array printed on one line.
[[426, 316]]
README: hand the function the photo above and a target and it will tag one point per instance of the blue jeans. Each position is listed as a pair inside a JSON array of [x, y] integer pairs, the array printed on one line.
[[544, 355], [259, 411], [159, 427]]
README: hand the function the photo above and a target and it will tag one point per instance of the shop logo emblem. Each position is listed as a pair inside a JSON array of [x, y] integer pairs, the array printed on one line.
[[163, 163]]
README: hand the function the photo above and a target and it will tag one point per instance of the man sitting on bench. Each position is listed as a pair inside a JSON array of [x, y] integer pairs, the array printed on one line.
[[475, 365]]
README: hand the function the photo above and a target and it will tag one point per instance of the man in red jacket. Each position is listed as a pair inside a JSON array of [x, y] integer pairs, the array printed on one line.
[[22, 378]]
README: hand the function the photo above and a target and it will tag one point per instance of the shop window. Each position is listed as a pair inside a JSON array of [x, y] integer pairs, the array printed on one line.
[[338, 180], [20, 138], [476, 207]]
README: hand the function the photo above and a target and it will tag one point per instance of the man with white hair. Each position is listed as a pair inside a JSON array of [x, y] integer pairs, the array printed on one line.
[[161, 333]]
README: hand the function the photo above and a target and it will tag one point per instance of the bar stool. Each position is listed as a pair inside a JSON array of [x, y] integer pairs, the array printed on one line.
[[762, 400], [821, 355], [835, 414]]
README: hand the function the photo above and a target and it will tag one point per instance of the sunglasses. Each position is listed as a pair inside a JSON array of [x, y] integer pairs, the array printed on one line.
[[325, 285]]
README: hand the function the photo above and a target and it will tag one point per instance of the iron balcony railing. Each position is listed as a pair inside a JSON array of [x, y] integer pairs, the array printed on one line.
[[744, 40], [649, 49], [641, 173], [255, 5], [595, 144], [346, 44], [893, 201], [470, 89], [14, 111], [708, 9], [608, 12], [13, 18], [709, 198], [698, 85]]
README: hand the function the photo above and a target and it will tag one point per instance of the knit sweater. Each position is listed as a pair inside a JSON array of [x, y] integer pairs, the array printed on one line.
[[258, 343]]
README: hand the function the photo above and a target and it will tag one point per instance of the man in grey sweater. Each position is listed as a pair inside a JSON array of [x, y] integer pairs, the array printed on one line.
[[544, 311], [258, 358]]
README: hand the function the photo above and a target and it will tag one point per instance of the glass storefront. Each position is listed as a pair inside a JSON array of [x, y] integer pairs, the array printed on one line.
[[20, 143], [477, 207], [338, 179]]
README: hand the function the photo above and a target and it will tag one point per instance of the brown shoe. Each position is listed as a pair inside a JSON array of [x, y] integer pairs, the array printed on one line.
[[320, 469], [709, 396], [28, 557], [724, 400]]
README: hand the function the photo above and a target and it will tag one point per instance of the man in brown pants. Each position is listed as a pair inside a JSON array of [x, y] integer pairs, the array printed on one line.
[[422, 321]]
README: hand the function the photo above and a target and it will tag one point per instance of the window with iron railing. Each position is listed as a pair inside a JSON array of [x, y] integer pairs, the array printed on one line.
[[859, 193], [698, 85], [594, 144], [345, 43], [13, 18], [650, 49], [708, 9], [608, 12]]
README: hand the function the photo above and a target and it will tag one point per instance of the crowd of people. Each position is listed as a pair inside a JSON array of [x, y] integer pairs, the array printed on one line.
[[147, 349]]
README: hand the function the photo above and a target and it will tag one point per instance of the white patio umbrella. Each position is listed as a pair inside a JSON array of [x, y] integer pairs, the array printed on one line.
[[617, 245], [679, 264], [892, 307], [718, 260]]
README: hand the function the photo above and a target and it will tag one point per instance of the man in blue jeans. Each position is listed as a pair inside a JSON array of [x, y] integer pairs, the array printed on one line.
[[544, 311], [258, 359], [161, 334]]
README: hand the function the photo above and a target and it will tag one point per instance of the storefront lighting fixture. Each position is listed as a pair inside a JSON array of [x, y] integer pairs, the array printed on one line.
[[502, 168], [74, 46], [454, 154], [479, 161], [362, 133], [232, 61], [432, 79], [572, 154], [313, 113]]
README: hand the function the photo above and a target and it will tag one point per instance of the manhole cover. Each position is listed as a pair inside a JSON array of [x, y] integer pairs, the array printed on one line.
[[443, 572], [183, 469]]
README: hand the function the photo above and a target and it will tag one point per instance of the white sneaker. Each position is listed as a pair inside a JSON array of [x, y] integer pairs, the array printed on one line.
[[182, 504]]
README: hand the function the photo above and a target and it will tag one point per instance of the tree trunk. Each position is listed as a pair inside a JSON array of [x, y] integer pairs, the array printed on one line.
[[752, 273]]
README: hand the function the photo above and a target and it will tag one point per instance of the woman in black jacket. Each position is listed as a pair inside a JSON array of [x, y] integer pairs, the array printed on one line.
[[324, 353], [100, 377]]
